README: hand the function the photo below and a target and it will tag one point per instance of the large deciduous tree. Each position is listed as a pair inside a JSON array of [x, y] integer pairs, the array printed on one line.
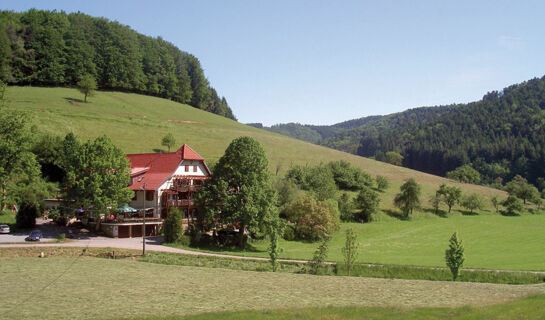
[[16, 160], [97, 174], [450, 195], [87, 85], [409, 197], [367, 202], [241, 189]]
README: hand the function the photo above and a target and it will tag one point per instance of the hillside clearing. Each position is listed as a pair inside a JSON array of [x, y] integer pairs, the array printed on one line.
[[95, 288]]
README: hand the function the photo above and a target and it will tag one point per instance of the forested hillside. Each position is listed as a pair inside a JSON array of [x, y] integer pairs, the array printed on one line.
[[48, 48], [313, 133], [501, 135]]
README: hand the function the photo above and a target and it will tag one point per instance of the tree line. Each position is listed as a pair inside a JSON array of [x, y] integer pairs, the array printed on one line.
[[49, 48]]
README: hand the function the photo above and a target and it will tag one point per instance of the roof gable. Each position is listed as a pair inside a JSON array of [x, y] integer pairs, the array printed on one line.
[[153, 169]]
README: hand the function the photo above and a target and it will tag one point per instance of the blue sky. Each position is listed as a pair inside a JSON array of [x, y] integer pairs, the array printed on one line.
[[322, 62]]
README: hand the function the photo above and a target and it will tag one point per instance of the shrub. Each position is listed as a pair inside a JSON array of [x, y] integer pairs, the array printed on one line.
[[382, 183], [174, 226], [289, 232], [26, 216], [61, 237], [513, 205], [313, 220], [472, 202]]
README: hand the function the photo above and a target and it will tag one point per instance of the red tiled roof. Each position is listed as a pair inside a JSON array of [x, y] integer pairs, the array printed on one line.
[[189, 154], [153, 169]]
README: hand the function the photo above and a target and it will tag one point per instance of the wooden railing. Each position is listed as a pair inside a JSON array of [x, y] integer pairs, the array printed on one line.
[[180, 203]]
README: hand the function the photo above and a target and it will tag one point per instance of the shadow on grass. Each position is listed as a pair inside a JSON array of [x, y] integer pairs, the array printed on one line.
[[509, 214], [395, 214], [219, 248], [468, 213], [156, 150], [73, 101], [439, 213]]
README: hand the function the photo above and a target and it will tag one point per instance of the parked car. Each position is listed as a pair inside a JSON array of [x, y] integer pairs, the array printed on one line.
[[4, 228], [35, 235]]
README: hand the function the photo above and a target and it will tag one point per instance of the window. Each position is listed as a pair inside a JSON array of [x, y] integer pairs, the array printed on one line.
[[149, 195], [194, 168], [134, 196], [186, 168]]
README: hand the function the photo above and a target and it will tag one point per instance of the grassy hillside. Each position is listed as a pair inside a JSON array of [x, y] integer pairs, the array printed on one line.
[[96, 288], [137, 123]]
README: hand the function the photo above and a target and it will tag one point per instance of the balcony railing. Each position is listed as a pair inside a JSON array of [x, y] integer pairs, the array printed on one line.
[[182, 188], [180, 203]]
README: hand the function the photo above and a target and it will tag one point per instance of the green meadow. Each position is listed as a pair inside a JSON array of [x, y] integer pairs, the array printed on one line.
[[491, 241], [98, 288]]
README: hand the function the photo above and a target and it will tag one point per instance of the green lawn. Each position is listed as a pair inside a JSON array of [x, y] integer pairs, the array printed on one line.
[[491, 241], [137, 123], [97, 288]]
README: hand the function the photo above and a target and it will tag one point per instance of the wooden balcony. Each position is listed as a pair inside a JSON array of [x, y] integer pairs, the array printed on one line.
[[180, 203], [182, 188]]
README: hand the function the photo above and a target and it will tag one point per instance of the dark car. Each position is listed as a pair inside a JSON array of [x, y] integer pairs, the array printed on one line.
[[35, 235]]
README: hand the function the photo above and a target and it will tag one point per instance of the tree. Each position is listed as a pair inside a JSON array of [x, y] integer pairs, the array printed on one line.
[[241, 183], [450, 195], [472, 202], [520, 188], [313, 220], [319, 180], [513, 205], [465, 174], [97, 174], [409, 197], [16, 160], [382, 183], [174, 229], [168, 141], [496, 203], [394, 158], [275, 231], [350, 250], [454, 256], [435, 201], [367, 201], [346, 207], [319, 257], [26, 216], [87, 85]]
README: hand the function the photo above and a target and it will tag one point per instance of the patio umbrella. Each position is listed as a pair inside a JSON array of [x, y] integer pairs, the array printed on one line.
[[126, 209]]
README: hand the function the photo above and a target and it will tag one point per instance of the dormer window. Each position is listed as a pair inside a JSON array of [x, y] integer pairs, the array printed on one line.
[[186, 168]]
